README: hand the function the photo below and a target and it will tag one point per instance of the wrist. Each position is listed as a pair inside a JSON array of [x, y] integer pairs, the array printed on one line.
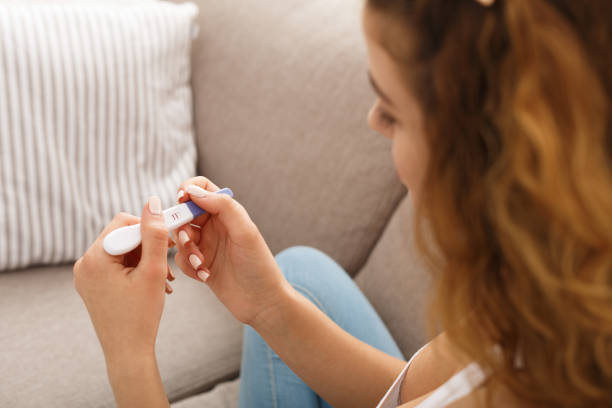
[[123, 366], [136, 381], [274, 317]]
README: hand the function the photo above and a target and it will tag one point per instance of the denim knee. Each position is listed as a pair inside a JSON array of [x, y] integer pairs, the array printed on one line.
[[325, 283], [307, 266]]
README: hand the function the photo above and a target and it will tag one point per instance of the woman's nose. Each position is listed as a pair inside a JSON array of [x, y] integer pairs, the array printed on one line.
[[374, 123]]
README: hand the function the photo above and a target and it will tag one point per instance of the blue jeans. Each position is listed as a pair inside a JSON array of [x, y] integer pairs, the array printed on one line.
[[266, 381]]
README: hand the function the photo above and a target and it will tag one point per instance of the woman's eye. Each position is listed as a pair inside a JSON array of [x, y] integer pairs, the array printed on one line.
[[385, 119]]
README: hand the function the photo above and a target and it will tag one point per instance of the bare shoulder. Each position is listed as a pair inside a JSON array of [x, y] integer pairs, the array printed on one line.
[[437, 363], [432, 367]]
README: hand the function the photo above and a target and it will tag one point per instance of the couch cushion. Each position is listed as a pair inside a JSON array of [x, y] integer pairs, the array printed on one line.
[[395, 281], [281, 98], [50, 355], [224, 395], [95, 117]]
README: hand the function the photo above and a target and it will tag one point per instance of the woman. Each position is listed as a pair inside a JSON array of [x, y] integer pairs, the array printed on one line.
[[499, 116]]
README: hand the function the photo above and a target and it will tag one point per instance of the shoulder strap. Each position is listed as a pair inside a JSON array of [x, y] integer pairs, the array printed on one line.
[[457, 387], [391, 398]]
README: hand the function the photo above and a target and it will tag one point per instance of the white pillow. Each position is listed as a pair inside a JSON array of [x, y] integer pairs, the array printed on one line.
[[95, 116]]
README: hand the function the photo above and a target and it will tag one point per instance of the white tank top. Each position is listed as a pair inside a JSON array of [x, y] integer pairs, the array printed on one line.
[[457, 387]]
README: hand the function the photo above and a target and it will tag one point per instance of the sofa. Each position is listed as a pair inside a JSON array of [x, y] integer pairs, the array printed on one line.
[[280, 102]]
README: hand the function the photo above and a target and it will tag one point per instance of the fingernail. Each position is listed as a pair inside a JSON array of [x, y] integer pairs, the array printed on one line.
[[183, 237], [196, 191], [180, 195], [155, 205], [171, 273], [194, 261], [203, 275], [169, 288]]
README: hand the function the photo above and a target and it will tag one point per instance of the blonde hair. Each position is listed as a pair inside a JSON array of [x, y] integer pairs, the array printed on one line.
[[518, 189]]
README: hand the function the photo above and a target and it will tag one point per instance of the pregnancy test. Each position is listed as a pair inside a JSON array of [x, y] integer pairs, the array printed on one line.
[[125, 239]]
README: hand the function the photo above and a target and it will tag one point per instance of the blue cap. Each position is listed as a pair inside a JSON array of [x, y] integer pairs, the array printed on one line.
[[197, 211]]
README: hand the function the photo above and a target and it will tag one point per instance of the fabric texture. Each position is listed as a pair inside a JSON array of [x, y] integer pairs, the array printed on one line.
[[455, 388], [224, 395], [266, 381], [458, 386], [95, 116], [396, 281], [281, 97], [392, 397], [50, 355]]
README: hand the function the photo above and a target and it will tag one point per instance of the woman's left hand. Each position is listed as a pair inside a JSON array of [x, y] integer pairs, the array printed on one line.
[[125, 294]]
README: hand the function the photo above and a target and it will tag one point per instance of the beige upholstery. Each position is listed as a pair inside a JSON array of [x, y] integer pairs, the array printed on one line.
[[395, 282], [50, 355], [224, 395], [281, 98]]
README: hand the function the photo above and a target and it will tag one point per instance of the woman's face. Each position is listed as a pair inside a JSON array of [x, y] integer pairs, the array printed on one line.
[[395, 113]]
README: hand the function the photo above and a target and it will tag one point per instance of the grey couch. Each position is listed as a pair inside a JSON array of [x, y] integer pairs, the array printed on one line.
[[281, 98]]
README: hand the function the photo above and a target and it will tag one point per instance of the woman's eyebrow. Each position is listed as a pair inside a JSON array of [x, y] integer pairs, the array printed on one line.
[[377, 89]]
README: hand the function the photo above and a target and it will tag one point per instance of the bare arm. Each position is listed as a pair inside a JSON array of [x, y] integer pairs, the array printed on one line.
[[125, 297], [239, 267], [136, 382], [343, 370]]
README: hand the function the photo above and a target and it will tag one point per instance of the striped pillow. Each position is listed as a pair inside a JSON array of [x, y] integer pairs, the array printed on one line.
[[95, 116]]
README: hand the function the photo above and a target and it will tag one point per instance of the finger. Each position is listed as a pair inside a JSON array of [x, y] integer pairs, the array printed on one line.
[[120, 220], [171, 242], [201, 220], [229, 211], [189, 244], [183, 195], [154, 237], [169, 289], [199, 181], [189, 249], [179, 195], [187, 233], [181, 262], [170, 276], [191, 263]]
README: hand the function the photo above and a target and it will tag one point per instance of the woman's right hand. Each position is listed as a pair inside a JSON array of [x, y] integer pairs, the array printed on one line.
[[228, 252]]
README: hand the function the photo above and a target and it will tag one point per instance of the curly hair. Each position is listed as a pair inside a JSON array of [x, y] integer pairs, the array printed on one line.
[[516, 214]]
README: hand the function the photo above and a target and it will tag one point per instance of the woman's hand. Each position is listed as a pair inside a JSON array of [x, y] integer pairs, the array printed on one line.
[[124, 294], [225, 249]]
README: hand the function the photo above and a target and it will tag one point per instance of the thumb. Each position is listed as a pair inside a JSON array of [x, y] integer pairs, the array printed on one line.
[[229, 211], [154, 237]]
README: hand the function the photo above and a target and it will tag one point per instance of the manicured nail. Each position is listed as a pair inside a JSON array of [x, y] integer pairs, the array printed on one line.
[[155, 205], [194, 261], [180, 195], [183, 237], [203, 275], [169, 288], [196, 191]]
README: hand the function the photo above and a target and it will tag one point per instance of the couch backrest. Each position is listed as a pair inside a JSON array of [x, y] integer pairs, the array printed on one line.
[[281, 98]]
